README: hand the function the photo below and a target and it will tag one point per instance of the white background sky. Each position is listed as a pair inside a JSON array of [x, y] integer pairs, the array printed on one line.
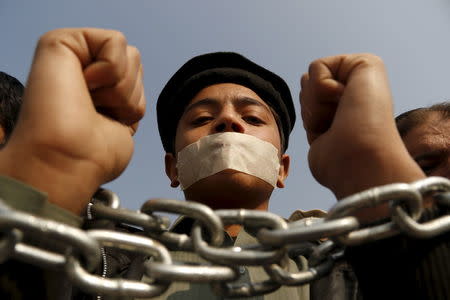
[[285, 36]]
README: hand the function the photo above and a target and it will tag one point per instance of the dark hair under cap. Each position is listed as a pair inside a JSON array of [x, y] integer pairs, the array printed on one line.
[[221, 67]]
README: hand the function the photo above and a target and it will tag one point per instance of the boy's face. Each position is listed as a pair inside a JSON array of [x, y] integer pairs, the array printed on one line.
[[228, 107], [429, 145]]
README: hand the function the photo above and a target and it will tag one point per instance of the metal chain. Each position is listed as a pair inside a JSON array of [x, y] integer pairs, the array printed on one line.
[[24, 235]]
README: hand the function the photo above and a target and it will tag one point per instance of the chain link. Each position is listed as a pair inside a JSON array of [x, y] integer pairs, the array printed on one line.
[[76, 240], [121, 287], [25, 237]]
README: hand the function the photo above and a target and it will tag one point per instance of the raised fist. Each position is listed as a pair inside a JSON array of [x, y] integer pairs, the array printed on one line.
[[346, 106], [82, 104]]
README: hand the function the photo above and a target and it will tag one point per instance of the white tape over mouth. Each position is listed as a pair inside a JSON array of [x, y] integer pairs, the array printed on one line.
[[229, 150]]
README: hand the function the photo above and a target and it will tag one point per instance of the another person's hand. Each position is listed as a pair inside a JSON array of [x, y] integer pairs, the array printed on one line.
[[347, 113], [83, 101]]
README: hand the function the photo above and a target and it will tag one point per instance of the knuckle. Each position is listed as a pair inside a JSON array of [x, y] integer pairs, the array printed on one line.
[[114, 73], [313, 65], [140, 110], [122, 94], [369, 59], [59, 38], [52, 37], [134, 53], [304, 79], [132, 110], [52, 34], [119, 37], [302, 99]]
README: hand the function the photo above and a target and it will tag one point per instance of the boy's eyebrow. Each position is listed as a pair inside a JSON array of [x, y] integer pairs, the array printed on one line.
[[238, 102], [203, 102], [245, 101]]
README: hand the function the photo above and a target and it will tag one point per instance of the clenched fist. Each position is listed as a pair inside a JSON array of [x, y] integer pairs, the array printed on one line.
[[83, 101], [347, 114]]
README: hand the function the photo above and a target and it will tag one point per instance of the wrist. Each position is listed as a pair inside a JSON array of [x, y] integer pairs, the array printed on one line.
[[68, 186], [380, 167]]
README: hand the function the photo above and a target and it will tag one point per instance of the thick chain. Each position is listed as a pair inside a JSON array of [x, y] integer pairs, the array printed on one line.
[[278, 240]]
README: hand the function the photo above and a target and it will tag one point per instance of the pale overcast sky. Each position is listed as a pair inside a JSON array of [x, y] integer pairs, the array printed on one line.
[[284, 36]]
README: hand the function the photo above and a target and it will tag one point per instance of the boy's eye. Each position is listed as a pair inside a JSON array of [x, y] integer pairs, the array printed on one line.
[[253, 120], [428, 166], [201, 120]]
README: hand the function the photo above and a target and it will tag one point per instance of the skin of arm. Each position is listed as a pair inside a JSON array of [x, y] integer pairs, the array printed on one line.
[[82, 104], [348, 117]]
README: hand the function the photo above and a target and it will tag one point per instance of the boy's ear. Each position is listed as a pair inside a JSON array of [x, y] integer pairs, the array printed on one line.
[[285, 161], [171, 169], [2, 135]]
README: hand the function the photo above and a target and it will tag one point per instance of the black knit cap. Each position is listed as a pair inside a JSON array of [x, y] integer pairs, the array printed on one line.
[[221, 67]]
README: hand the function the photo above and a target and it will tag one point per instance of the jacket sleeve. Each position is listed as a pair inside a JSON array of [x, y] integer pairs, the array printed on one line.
[[20, 280], [403, 267], [22, 197]]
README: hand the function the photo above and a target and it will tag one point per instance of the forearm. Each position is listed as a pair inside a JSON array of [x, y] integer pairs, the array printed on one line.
[[382, 165], [68, 186]]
